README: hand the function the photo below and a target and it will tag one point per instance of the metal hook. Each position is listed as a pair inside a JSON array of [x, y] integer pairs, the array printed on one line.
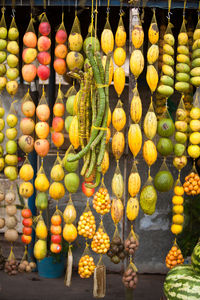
[[13, 12], [168, 15]]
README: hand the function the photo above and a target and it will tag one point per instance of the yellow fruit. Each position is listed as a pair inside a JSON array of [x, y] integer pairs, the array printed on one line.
[[150, 124], [56, 190], [57, 173], [117, 209], [132, 209], [86, 266], [176, 229], [75, 41], [101, 201], [111, 68], [120, 36], [41, 230], [26, 172], [195, 138], [136, 63], [149, 152], [194, 151], [26, 189], [69, 233], [119, 56], [134, 184], [153, 33], [118, 144], [118, 185], [196, 35], [195, 113], [69, 214], [195, 125], [101, 242], [178, 209], [136, 107], [119, 118], [177, 200], [74, 132], [109, 117], [119, 80], [168, 49], [107, 41], [41, 183], [75, 104], [169, 39], [105, 163], [152, 78], [108, 135], [86, 224], [152, 54], [179, 190], [178, 219], [135, 139], [182, 38], [137, 36]]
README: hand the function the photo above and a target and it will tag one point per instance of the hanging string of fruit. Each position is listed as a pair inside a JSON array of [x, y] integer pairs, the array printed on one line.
[[3, 54], [2, 136]]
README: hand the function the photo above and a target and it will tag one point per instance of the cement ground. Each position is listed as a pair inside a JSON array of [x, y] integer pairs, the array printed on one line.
[[33, 287]]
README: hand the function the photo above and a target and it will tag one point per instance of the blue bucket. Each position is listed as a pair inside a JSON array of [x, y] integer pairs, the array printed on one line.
[[49, 268]]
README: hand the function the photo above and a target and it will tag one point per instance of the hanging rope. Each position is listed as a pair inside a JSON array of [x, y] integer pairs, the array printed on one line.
[[108, 9], [76, 4], [184, 7], [45, 4], [169, 10]]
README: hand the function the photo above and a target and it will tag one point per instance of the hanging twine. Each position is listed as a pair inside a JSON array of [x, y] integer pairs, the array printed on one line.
[[108, 10], [184, 7], [169, 10]]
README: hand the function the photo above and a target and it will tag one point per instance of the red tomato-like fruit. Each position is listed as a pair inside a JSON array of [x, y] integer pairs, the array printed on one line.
[[27, 222], [26, 239], [56, 238], [26, 213], [44, 28], [87, 191], [56, 229], [55, 248], [56, 220], [27, 230]]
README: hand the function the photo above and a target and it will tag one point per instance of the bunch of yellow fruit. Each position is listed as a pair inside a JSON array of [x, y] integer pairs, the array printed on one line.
[[101, 242], [101, 201], [86, 266], [86, 225], [178, 218]]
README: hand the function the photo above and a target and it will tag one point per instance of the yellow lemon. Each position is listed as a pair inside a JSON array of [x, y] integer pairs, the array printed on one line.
[[178, 219], [176, 229], [194, 151], [26, 172], [41, 183], [178, 209], [177, 200], [195, 113], [56, 190]]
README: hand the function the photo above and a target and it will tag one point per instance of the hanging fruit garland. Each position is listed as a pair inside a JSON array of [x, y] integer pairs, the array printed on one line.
[[3, 36]]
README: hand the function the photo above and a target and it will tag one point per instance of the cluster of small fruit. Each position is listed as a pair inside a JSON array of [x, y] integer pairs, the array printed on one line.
[[56, 233], [11, 267], [193, 148], [116, 251], [130, 278], [131, 244], [86, 266], [86, 224], [192, 184], [178, 209], [27, 223], [174, 257], [101, 241], [2, 125], [60, 51], [26, 266], [11, 158], [11, 234], [44, 44], [58, 121], [2, 219], [29, 54], [101, 201], [3, 54]]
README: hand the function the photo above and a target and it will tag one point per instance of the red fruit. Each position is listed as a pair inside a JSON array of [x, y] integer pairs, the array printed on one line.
[[44, 43], [27, 222], [27, 230], [56, 229], [41, 147], [61, 36], [26, 239], [60, 66], [43, 72], [87, 191], [56, 238], [26, 213], [56, 220], [44, 58], [58, 124], [61, 51], [44, 28], [30, 39], [57, 138], [58, 109], [29, 72], [55, 248]]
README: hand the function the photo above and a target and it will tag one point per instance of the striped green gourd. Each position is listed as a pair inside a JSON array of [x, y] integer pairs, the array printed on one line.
[[195, 258], [182, 283]]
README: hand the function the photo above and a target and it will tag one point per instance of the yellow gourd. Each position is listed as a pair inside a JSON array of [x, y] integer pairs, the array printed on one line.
[[74, 133], [137, 63], [152, 78], [134, 184], [137, 36], [135, 139], [117, 209], [119, 118], [136, 107], [118, 144], [107, 41], [132, 209], [149, 152], [119, 80]]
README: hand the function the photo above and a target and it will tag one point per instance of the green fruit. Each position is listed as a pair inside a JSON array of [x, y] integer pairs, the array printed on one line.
[[168, 49], [70, 105], [26, 143], [1, 151], [11, 172], [1, 137], [182, 58], [91, 41], [12, 60], [2, 56], [11, 133], [12, 73], [3, 44], [196, 54], [195, 72], [2, 69], [11, 160], [196, 63], [2, 164], [182, 68], [167, 80], [2, 124], [70, 166], [183, 50], [3, 33], [40, 249], [72, 182], [182, 87], [165, 90], [168, 60], [13, 47], [166, 127], [41, 201], [11, 147], [68, 122], [183, 77], [195, 258], [11, 120], [148, 199], [179, 149], [2, 112], [195, 81], [163, 181], [165, 146], [167, 70], [13, 34]]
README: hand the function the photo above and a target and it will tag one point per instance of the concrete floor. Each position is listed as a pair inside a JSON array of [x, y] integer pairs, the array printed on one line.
[[33, 287]]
